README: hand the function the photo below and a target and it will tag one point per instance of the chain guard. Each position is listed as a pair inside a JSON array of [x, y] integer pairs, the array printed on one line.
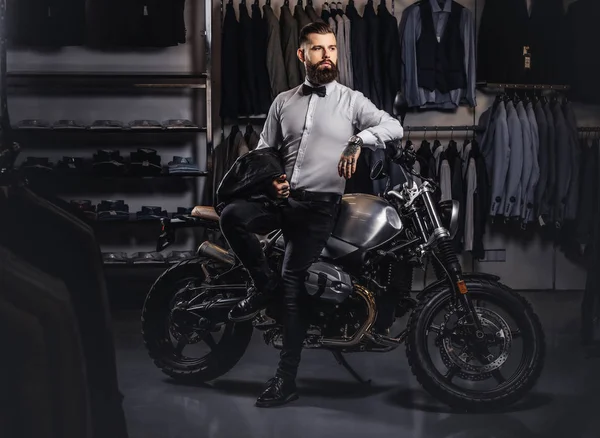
[[453, 354]]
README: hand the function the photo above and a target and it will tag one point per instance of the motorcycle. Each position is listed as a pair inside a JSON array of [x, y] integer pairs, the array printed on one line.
[[471, 342]]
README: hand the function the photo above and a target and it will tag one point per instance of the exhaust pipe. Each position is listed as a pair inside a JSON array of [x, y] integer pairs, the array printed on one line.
[[213, 251], [369, 299]]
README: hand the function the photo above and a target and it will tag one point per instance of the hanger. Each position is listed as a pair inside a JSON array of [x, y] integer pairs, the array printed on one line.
[[286, 3], [299, 3], [340, 7], [309, 3], [268, 3], [256, 3]]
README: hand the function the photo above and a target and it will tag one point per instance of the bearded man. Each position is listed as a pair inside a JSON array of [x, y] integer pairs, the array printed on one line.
[[312, 126]]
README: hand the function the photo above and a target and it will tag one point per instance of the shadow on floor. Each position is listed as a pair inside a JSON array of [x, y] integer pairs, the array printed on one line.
[[421, 400], [337, 389]]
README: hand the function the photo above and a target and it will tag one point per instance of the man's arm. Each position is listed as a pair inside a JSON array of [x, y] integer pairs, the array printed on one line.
[[270, 137], [376, 126]]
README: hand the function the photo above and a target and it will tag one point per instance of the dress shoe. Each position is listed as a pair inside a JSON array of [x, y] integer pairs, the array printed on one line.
[[279, 391], [249, 307]]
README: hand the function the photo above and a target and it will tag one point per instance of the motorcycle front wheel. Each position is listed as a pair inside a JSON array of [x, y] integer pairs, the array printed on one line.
[[190, 346], [445, 358]]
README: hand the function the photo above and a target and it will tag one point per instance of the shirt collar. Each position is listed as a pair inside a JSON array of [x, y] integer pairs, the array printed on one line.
[[328, 87], [436, 7]]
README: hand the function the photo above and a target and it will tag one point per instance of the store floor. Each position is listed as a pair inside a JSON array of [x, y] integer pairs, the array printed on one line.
[[564, 403]]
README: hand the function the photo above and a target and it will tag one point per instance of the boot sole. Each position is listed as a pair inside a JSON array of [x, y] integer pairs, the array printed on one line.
[[270, 404], [245, 317]]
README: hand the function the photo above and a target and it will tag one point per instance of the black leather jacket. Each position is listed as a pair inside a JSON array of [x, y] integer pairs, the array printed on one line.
[[250, 177]]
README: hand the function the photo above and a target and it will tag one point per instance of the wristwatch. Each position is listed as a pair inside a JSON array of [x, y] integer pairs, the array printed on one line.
[[355, 139]]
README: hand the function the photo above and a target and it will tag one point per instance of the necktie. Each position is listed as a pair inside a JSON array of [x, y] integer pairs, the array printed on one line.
[[319, 91]]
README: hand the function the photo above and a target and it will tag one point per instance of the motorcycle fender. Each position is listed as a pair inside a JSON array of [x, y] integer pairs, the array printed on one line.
[[466, 277]]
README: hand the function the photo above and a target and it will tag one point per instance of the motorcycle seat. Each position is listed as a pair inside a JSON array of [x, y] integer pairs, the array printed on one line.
[[205, 212]]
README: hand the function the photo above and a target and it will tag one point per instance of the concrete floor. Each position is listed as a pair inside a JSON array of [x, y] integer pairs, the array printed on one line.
[[564, 404]]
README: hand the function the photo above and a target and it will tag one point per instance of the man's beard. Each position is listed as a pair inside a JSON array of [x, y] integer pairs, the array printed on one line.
[[320, 76]]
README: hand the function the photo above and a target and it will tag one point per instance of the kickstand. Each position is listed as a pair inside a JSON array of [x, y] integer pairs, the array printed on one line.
[[342, 361]]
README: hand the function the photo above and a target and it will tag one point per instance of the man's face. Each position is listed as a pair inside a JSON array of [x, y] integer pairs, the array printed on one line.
[[319, 56]]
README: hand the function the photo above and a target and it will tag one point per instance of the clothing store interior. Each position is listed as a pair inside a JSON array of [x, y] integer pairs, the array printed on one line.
[[461, 258]]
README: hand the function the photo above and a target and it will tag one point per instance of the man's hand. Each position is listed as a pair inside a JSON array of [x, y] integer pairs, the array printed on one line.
[[348, 160], [281, 187]]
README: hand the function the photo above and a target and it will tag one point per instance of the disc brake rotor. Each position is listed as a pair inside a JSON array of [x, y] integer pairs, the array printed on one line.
[[456, 352]]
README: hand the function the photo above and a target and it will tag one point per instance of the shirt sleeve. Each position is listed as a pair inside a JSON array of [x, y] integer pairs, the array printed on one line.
[[271, 137], [376, 126]]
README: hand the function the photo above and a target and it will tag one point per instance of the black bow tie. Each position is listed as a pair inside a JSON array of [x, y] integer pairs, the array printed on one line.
[[320, 91]]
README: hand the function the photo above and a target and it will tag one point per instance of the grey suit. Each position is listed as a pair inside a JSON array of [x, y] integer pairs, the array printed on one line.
[[301, 17], [563, 164], [573, 193], [547, 211], [526, 161], [289, 45], [542, 124], [496, 152], [275, 65], [312, 14], [515, 166], [527, 216], [348, 51]]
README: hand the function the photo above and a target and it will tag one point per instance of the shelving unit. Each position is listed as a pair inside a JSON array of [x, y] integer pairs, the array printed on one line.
[[198, 85]]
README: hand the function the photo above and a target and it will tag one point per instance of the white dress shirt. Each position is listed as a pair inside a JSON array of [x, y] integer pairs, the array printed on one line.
[[311, 132]]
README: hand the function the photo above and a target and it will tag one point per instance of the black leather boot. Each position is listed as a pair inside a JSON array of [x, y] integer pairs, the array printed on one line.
[[255, 301], [279, 391], [249, 307]]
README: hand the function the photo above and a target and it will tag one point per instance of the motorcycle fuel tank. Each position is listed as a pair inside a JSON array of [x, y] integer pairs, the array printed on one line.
[[366, 221]]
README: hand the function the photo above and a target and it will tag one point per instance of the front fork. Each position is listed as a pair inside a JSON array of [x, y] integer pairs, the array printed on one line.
[[448, 261]]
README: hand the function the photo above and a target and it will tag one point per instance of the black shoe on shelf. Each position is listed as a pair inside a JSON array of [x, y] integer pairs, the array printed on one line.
[[249, 307], [279, 391]]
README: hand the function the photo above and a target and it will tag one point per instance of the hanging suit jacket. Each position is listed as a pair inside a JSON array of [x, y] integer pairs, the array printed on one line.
[[583, 39], [540, 189], [260, 72], [589, 192], [507, 27], [247, 56], [275, 65], [495, 151], [515, 166], [289, 45], [575, 149], [390, 57], [526, 163], [301, 17], [481, 203], [312, 14], [230, 65], [528, 214], [359, 50], [342, 61], [563, 164], [348, 50], [70, 253], [373, 59], [547, 211]]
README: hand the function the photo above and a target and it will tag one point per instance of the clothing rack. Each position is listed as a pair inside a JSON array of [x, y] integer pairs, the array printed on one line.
[[589, 129], [475, 128], [525, 86]]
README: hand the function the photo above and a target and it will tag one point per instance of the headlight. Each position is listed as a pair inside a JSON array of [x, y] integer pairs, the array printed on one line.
[[449, 215]]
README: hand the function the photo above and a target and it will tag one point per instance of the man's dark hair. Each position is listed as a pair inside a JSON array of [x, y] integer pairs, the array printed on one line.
[[316, 27]]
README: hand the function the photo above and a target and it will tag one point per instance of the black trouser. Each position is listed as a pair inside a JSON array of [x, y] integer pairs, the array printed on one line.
[[306, 227]]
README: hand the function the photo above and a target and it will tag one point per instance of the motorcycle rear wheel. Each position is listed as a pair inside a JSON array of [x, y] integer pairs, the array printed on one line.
[[157, 334], [439, 385]]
